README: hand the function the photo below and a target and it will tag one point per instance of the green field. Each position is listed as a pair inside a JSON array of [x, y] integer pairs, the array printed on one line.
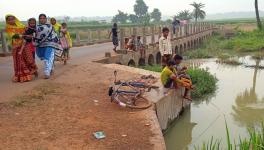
[[234, 21]]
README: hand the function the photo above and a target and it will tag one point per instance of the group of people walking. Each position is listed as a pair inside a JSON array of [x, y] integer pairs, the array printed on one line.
[[45, 39]]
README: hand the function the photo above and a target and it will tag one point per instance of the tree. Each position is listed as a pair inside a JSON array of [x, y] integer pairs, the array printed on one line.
[[156, 15], [145, 19], [133, 18], [257, 15], [184, 15], [140, 8], [121, 17], [198, 13]]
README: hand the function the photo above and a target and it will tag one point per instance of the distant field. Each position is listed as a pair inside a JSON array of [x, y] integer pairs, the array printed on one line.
[[235, 21]]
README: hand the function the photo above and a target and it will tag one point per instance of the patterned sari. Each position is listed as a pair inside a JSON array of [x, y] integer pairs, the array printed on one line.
[[24, 65], [47, 43]]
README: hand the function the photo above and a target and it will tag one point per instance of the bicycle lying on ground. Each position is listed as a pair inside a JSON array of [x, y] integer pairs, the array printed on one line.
[[130, 94]]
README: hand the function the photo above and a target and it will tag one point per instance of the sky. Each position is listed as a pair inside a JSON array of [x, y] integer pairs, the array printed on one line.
[[25, 9]]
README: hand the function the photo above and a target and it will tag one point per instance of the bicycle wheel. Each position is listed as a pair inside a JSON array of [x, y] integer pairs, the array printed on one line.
[[132, 101]]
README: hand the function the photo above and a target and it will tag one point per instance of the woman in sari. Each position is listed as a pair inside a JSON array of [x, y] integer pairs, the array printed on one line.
[[24, 65], [47, 42]]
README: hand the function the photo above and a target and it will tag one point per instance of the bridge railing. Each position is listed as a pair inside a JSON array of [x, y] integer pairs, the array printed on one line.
[[3, 44], [151, 34]]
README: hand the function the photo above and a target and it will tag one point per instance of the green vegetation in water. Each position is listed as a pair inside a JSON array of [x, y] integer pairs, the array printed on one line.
[[226, 59], [242, 42], [255, 141], [199, 53], [205, 83]]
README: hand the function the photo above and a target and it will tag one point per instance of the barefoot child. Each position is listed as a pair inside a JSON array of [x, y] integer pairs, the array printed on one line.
[[183, 76], [66, 41]]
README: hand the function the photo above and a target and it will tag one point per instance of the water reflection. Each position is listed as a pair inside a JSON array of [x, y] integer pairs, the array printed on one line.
[[249, 108], [180, 136]]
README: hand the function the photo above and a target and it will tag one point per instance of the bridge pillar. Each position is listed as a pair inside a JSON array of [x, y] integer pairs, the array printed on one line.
[[152, 34], [144, 36], [190, 29], [4, 43], [89, 36], [131, 31], [135, 31], [99, 34], [171, 32], [78, 38], [186, 30], [181, 27], [122, 38], [195, 28]]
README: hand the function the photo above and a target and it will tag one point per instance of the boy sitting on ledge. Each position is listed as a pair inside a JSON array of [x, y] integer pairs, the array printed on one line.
[[169, 78], [182, 75]]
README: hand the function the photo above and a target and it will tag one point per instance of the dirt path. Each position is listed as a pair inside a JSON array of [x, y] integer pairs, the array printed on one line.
[[63, 113]]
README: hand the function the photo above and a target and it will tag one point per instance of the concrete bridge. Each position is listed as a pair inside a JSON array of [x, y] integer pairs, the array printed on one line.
[[186, 38]]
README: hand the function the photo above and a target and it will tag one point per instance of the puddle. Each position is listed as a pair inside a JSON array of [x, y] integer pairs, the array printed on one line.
[[239, 100]]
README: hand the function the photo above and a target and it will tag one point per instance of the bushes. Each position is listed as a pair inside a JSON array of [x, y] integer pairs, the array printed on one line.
[[205, 83]]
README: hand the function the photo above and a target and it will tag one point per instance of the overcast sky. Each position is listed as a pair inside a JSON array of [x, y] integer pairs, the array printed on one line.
[[25, 9]]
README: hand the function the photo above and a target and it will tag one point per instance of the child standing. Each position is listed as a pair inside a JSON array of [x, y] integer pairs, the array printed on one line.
[[165, 47], [66, 41], [29, 35]]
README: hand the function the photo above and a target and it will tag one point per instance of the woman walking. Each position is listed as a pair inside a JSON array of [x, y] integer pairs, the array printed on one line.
[[47, 42], [114, 33], [24, 65]]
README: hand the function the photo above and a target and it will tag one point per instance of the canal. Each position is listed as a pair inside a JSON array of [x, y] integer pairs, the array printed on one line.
[[239, 100]]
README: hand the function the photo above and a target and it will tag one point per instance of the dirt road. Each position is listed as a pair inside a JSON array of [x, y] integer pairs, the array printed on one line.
[[62, 113]]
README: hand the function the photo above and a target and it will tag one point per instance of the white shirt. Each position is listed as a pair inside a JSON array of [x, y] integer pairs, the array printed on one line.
[[165, 46]]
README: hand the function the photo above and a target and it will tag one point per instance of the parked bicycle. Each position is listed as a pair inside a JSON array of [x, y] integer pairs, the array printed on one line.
[[130, 94]]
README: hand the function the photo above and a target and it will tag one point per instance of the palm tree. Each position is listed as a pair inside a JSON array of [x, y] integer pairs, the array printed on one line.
[[257, 15], [184, 15], [198, 13]]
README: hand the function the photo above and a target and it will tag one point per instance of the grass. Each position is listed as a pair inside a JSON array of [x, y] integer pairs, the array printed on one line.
[[249, 42], [155, 68], [38, 94], [205, 83], [255, 141], [234, 21], [199, 53]]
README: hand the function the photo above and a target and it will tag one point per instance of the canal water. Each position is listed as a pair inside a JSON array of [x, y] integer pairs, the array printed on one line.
[[239, 100]]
